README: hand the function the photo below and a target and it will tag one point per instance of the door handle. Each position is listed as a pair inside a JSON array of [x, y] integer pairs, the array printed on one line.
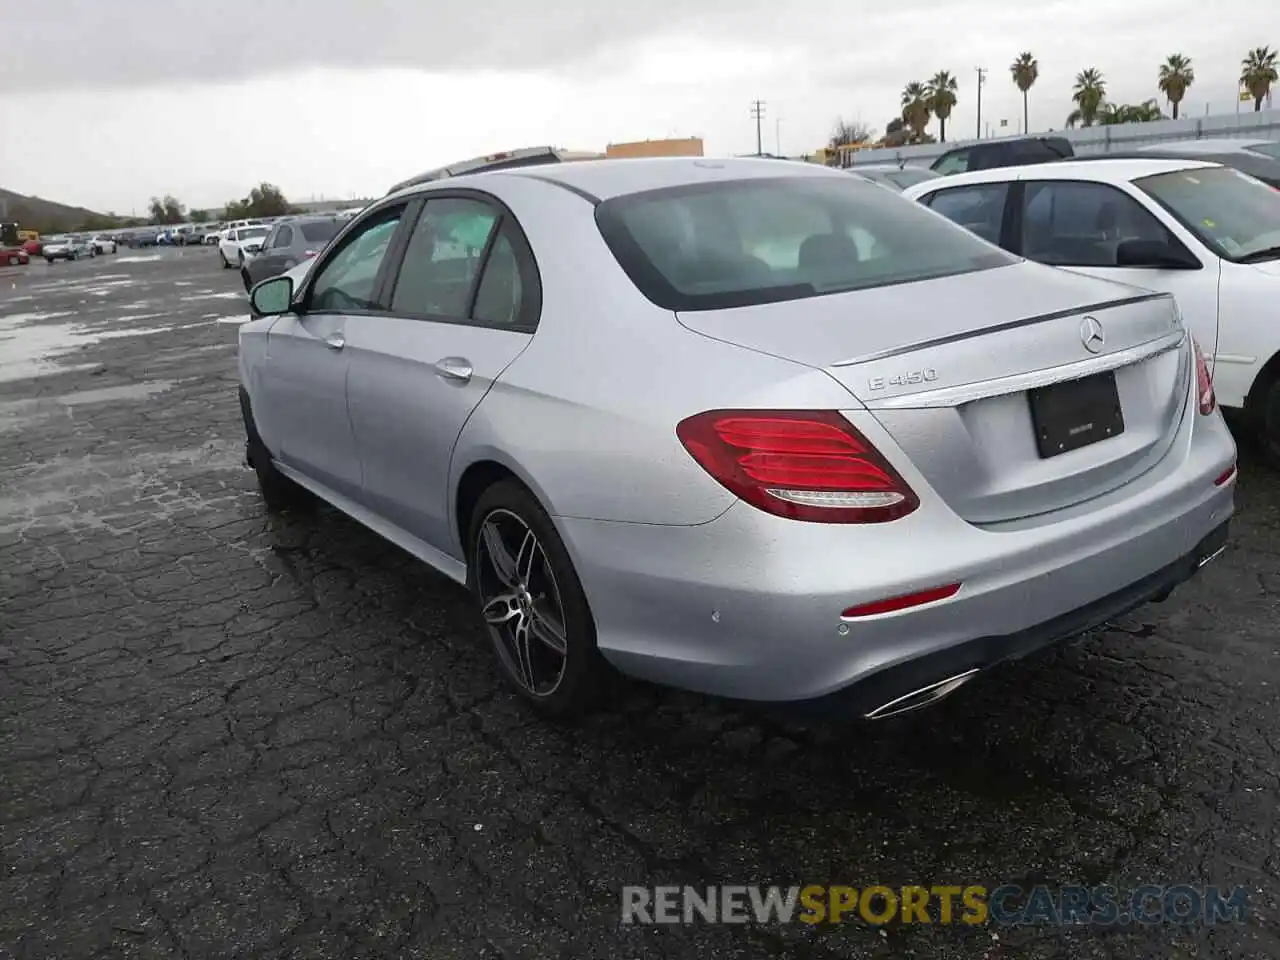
[[454, 368], [334, 342]]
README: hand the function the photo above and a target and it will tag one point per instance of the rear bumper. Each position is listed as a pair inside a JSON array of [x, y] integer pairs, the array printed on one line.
[[749, 606], [894, 685]]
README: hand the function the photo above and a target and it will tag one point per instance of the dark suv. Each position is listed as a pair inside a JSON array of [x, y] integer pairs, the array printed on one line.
[[1014, 152]]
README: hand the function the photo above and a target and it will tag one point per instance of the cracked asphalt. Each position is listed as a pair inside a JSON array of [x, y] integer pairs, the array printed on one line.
[[229, 735]]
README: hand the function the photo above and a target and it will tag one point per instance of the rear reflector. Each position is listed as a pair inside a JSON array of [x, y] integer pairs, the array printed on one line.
[[1225, 476], [810, 465], [907, 600]]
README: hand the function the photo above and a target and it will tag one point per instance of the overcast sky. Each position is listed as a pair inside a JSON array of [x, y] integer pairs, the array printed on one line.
[[105, 103]]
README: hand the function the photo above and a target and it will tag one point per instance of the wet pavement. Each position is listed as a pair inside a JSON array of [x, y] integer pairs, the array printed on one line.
[[224, 735]]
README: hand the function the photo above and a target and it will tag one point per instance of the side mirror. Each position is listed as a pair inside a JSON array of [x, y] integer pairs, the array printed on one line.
[[1157, 254], [272, 297]]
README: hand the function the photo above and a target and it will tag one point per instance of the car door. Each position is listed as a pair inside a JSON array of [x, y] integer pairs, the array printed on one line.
[[305, 380], [463, 305], [1078, 225], [273, 260]]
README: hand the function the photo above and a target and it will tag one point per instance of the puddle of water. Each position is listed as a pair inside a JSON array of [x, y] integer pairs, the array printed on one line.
[[150, 259], [210, 295], [129, 391], [28, 350]]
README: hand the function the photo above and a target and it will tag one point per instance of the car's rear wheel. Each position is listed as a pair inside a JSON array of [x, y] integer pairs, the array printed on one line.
[[14, 261], [1265, 416], [244, 275], [532, 603], [279, 493]]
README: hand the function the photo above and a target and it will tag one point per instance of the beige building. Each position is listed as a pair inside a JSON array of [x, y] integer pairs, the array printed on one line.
[[684, 147]]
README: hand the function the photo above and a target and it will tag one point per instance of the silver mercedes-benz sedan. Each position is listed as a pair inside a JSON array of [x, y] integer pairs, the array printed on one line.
[[753, 428]]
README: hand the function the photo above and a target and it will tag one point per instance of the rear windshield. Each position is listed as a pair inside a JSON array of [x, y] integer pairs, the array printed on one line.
[[910, 176], [247, 232], [320, 232], [741, 242]]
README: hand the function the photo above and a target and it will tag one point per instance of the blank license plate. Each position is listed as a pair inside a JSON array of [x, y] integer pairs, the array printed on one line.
[[1074, 414]]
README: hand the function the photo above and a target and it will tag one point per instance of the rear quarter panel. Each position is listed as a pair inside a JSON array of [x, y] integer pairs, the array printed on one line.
[[587, 415]]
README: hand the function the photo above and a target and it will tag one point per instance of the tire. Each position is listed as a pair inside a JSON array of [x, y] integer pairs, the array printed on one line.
[[556, 686], [1264, 414], [50, 259], [279, 493], [248, 284], [225, 265], [14, 261]]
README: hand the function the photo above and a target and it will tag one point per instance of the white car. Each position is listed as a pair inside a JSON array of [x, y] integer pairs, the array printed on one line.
[[103, 245], [231, 242], [1206, 233]]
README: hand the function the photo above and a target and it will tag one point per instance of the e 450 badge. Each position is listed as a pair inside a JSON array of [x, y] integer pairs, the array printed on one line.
[[908, 379]]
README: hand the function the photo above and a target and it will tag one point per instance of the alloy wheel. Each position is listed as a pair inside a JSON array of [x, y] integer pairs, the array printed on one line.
[[521, 603]]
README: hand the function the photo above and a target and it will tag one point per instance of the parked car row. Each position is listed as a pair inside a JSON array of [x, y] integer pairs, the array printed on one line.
[[763, 429]]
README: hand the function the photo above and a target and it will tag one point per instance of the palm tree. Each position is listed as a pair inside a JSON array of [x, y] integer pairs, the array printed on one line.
[[1176, 75], [1145, 112], [1258, 73], [942, 97], [1025, 71], [915, 108], [1089, 95]]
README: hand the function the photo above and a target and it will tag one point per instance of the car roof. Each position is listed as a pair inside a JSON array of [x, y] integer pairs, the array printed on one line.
[[888, 168], [1102, 169], [606, 178], [1209, 145]]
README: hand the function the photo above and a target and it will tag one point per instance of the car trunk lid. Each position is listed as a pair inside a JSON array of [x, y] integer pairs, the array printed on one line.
[[961, 372]]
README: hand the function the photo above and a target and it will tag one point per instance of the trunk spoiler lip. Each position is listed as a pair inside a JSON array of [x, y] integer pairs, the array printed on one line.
[[1019, 382], [998, 328]]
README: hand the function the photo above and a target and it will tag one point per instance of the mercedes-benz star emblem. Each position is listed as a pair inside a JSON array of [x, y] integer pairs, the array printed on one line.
[[1091, 335]]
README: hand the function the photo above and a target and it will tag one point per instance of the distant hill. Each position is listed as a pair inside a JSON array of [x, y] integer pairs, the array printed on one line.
[[32, 213]]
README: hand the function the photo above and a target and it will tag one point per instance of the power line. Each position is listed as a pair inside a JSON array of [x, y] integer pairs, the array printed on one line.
[[982, 79], [757, 114]]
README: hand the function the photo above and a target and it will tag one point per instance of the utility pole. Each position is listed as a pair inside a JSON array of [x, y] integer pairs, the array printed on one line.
[[757, 114], [982, 79], [777, 136]]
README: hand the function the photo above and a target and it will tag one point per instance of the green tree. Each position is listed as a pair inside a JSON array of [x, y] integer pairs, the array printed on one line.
[[198, 216], [167, 210], [942, 99], [1145, 112], [1025, 71], [1176, 75], [1089, 95], [264, 200], [915, 109], [1258, 73]]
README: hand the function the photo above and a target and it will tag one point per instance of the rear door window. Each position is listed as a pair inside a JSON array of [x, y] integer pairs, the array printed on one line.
[[978, 208], [443, 258]]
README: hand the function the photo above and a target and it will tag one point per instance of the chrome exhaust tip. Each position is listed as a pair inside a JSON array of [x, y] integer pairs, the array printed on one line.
[[1211, 557], [922, 697]]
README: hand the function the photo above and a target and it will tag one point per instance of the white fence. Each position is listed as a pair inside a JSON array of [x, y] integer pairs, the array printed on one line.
[[1263, 125]]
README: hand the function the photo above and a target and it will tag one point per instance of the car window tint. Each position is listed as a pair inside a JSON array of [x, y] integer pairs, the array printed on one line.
[[443, 257], [346, 282], [500, 294], [320, 232], [284, 237], [1079, 224], [738, 242], [957, 162], [979, 208]]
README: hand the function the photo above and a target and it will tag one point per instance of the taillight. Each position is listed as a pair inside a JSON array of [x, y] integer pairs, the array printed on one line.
[[308, 254], [808, 465], [1204, 383]]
